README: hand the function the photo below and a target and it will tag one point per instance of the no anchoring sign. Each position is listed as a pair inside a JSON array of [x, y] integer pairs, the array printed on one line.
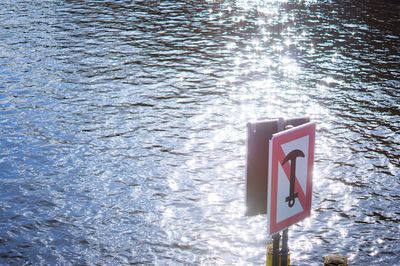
[[291, 159]]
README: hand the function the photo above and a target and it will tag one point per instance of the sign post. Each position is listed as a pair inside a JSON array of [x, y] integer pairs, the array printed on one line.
[[280, 155], [290, 168], [285, 247]]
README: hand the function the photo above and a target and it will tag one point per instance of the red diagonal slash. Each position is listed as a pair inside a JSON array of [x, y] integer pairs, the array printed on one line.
[[286, 169]]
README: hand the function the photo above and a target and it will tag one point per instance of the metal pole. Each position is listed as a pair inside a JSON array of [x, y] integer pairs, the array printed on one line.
[[285, 248], [275, 249]]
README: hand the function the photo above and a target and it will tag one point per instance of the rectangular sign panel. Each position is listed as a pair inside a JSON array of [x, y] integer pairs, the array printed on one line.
[[290, 169]]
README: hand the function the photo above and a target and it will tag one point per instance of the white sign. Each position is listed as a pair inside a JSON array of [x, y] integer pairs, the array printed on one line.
[[291, 160]]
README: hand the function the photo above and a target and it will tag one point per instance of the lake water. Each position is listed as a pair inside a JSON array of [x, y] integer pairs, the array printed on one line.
[[123, 128]]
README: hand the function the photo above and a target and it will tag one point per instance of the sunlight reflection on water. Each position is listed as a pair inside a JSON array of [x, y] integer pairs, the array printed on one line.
[[123, 128]]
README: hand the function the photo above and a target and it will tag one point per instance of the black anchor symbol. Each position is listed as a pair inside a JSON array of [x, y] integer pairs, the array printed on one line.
[[292, 158]]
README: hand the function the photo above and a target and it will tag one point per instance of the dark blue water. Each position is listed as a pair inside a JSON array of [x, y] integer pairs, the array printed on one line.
[[123, 128]]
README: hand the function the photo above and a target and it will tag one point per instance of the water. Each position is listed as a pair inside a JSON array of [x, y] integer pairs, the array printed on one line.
[[122, 128]]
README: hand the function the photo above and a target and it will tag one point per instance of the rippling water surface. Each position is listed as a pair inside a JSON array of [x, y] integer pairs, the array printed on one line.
[[122, 128]]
